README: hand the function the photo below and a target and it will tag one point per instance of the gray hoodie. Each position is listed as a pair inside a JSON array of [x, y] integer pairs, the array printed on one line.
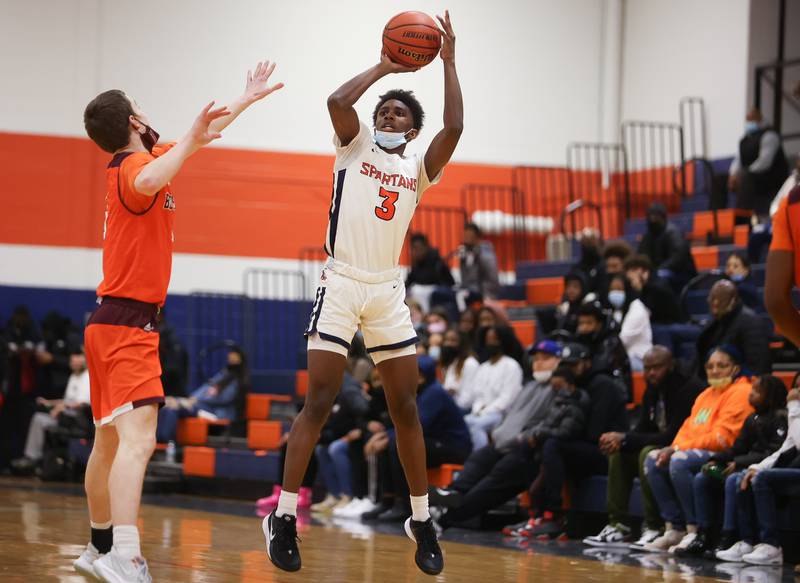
[[526, 411]]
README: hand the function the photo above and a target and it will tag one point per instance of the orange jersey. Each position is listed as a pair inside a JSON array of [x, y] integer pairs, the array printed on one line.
[[786, 226], [137, 234]]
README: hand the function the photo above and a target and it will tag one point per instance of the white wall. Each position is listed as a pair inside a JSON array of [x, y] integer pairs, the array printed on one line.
[[529, 68], [680, 48]]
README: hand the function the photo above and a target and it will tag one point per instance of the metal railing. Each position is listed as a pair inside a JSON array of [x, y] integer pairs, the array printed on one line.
[[692, 112], [597, 175]]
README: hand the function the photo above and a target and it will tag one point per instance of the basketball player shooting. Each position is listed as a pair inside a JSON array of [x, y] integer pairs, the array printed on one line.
[[376, 189]]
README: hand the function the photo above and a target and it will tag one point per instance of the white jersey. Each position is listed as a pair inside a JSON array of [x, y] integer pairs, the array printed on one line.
[[374, 198]]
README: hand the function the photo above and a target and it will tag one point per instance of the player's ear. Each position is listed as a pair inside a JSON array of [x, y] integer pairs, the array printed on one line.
[[136, 124], [411, 134]]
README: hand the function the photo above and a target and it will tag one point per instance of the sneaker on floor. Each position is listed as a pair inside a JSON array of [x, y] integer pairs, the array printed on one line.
[[341, 503], [355, 508], [325, 505], [83, 564], [281, 535], [695, 548], [618, 536], [735, 552], [526, 531], [687, 540], [662, 544], [114, 568], [446, 497], [379, 509], [548, 527], [397, 513], [513, 529], [764, 554], [429, 555], [648, 535]]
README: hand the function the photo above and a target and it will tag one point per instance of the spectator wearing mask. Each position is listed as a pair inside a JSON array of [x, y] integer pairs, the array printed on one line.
[[468, 324], [657, 296], [736, 325], [575, 295], [478, 264], [666, 404], [715, 421], [500, 470], [591, 264], [428, 271], [631, 319], [436, 324], [763, 432], [609, 354], [759, 167], [497, 383], [667, 248], [459, 367], [737, 269], [490, 318], [74, 404]]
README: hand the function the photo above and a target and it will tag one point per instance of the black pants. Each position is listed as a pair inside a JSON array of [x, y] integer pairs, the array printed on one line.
[[358, 463], [436, 454], [490, 477], [561, 459]]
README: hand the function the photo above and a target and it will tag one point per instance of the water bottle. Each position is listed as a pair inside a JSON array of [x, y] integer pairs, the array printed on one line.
[[171, 452]]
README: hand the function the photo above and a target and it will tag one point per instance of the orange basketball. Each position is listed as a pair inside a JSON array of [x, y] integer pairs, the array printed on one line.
[[412, 39]]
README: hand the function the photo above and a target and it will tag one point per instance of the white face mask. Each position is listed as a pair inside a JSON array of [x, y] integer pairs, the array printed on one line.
[[390, 140], [616, 298], [542, 376], [435, 352]]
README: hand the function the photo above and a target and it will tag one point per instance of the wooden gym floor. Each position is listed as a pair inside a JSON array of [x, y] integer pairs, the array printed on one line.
[[42, 529]]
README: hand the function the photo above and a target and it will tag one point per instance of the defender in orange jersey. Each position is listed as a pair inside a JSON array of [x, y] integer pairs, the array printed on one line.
[[783, 267], [122, 334]]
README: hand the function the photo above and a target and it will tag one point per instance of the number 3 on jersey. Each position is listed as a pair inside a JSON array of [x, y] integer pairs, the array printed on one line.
[[387, 209]]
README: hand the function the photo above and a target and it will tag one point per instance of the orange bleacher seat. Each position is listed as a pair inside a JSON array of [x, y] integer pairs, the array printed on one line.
[[704, 223], [264, 434], [545, 290], [301, 383], [741, 233], [787, 376], [442, 476], [199, 461], [259, 405], [706, 258], [192, 431], [525, 331]]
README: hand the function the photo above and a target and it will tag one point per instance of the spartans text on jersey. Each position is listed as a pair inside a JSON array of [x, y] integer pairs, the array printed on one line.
[[368, 169]]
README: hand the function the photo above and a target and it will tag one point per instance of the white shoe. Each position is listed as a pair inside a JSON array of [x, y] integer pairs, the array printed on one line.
[[114, 568], [355, 509], [612, 536], [343, 511], [764, 554], [684, 542], [648, 536], [83, 564], [325, 505], [662, 544], [735, 553]]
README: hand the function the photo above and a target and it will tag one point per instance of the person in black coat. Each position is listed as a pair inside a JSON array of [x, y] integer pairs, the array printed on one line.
[[591, 264], [667, 248], [737, 325], [655, 294], [608, 352], [427, 265]]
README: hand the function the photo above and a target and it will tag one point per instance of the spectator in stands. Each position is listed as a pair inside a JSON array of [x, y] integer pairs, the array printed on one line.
[[715, 421], [428, 271], [737, 325], [59, 341], [468, 324], [775, 475], [502, 469], [216, 399], [359, 364], [577, 457], [737, 269], [436, 324], [667, 402], [478, 264], [759, 167], [615, 255], [459, 367], [631, 319], [609, 354], [174, 359], [72, 409], [667, 248], [763, 432], [576, 293], [656, 295], [446, 438], [490, 318], [417, 314], [332, 451], [591, 264]]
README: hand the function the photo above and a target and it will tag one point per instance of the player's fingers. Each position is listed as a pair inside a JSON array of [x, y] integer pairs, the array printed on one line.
[[207, 108], [258, 70], [276, 87], [249, 77], [270, 68]]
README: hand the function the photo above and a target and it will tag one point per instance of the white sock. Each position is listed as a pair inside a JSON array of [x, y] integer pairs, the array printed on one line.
[[419, 508], [100, 525], [126, 540], [287, 504]]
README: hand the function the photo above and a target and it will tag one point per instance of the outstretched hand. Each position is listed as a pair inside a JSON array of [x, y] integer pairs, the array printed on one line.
[[448, 50], [257, 86], [200, 134]]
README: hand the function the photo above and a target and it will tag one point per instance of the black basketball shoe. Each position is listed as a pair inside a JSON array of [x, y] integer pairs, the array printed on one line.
[[429, 555], [281, 534]]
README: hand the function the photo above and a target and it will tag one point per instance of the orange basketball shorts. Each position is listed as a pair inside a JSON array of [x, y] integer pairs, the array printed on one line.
[[121, 344]]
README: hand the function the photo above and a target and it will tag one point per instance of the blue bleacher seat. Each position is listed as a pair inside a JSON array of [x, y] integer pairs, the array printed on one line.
[[247, 465], [537, 269]]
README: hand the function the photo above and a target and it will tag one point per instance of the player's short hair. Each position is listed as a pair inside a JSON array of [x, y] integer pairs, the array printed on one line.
[[410, 101], [106, 120]]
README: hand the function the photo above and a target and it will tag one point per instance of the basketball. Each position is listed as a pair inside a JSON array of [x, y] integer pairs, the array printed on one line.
[[411, 39]]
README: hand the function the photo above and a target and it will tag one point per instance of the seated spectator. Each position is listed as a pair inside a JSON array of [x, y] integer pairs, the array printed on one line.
[[737, 325], [446, 438], [216, 399], [59, 341], [763, 432], [436, 324], [72, 409], [417, 315], [468, 324], [759, 167], [609, 354], [713, 425], [576, 293], [615, 254], [478, 264], [771, 477], [667, 248], [737, 268], [667, 402], [631, 319], [497, 383], [428, 271], [577, 456], [174, 359], [490, 318], [656, 295], [591, 264], [502, 469], [459, 367]]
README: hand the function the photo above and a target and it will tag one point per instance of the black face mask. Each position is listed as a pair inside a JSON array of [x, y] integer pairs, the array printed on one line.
[[149, 138], [655, 227], [234, 368], [493, 350], [587, 338], [449, 354], [590, 254]]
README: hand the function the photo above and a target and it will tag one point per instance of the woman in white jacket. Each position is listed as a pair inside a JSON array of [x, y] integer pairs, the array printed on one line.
[[494, 387], [459, 367], [632, 319]]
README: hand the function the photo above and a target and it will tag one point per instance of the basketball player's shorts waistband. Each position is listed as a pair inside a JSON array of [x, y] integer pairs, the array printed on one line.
[[361, 275], [126, 312]]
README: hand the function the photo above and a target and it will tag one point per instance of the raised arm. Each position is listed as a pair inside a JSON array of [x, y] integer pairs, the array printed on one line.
[[341, 101], [256, 88], [444, 143]]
